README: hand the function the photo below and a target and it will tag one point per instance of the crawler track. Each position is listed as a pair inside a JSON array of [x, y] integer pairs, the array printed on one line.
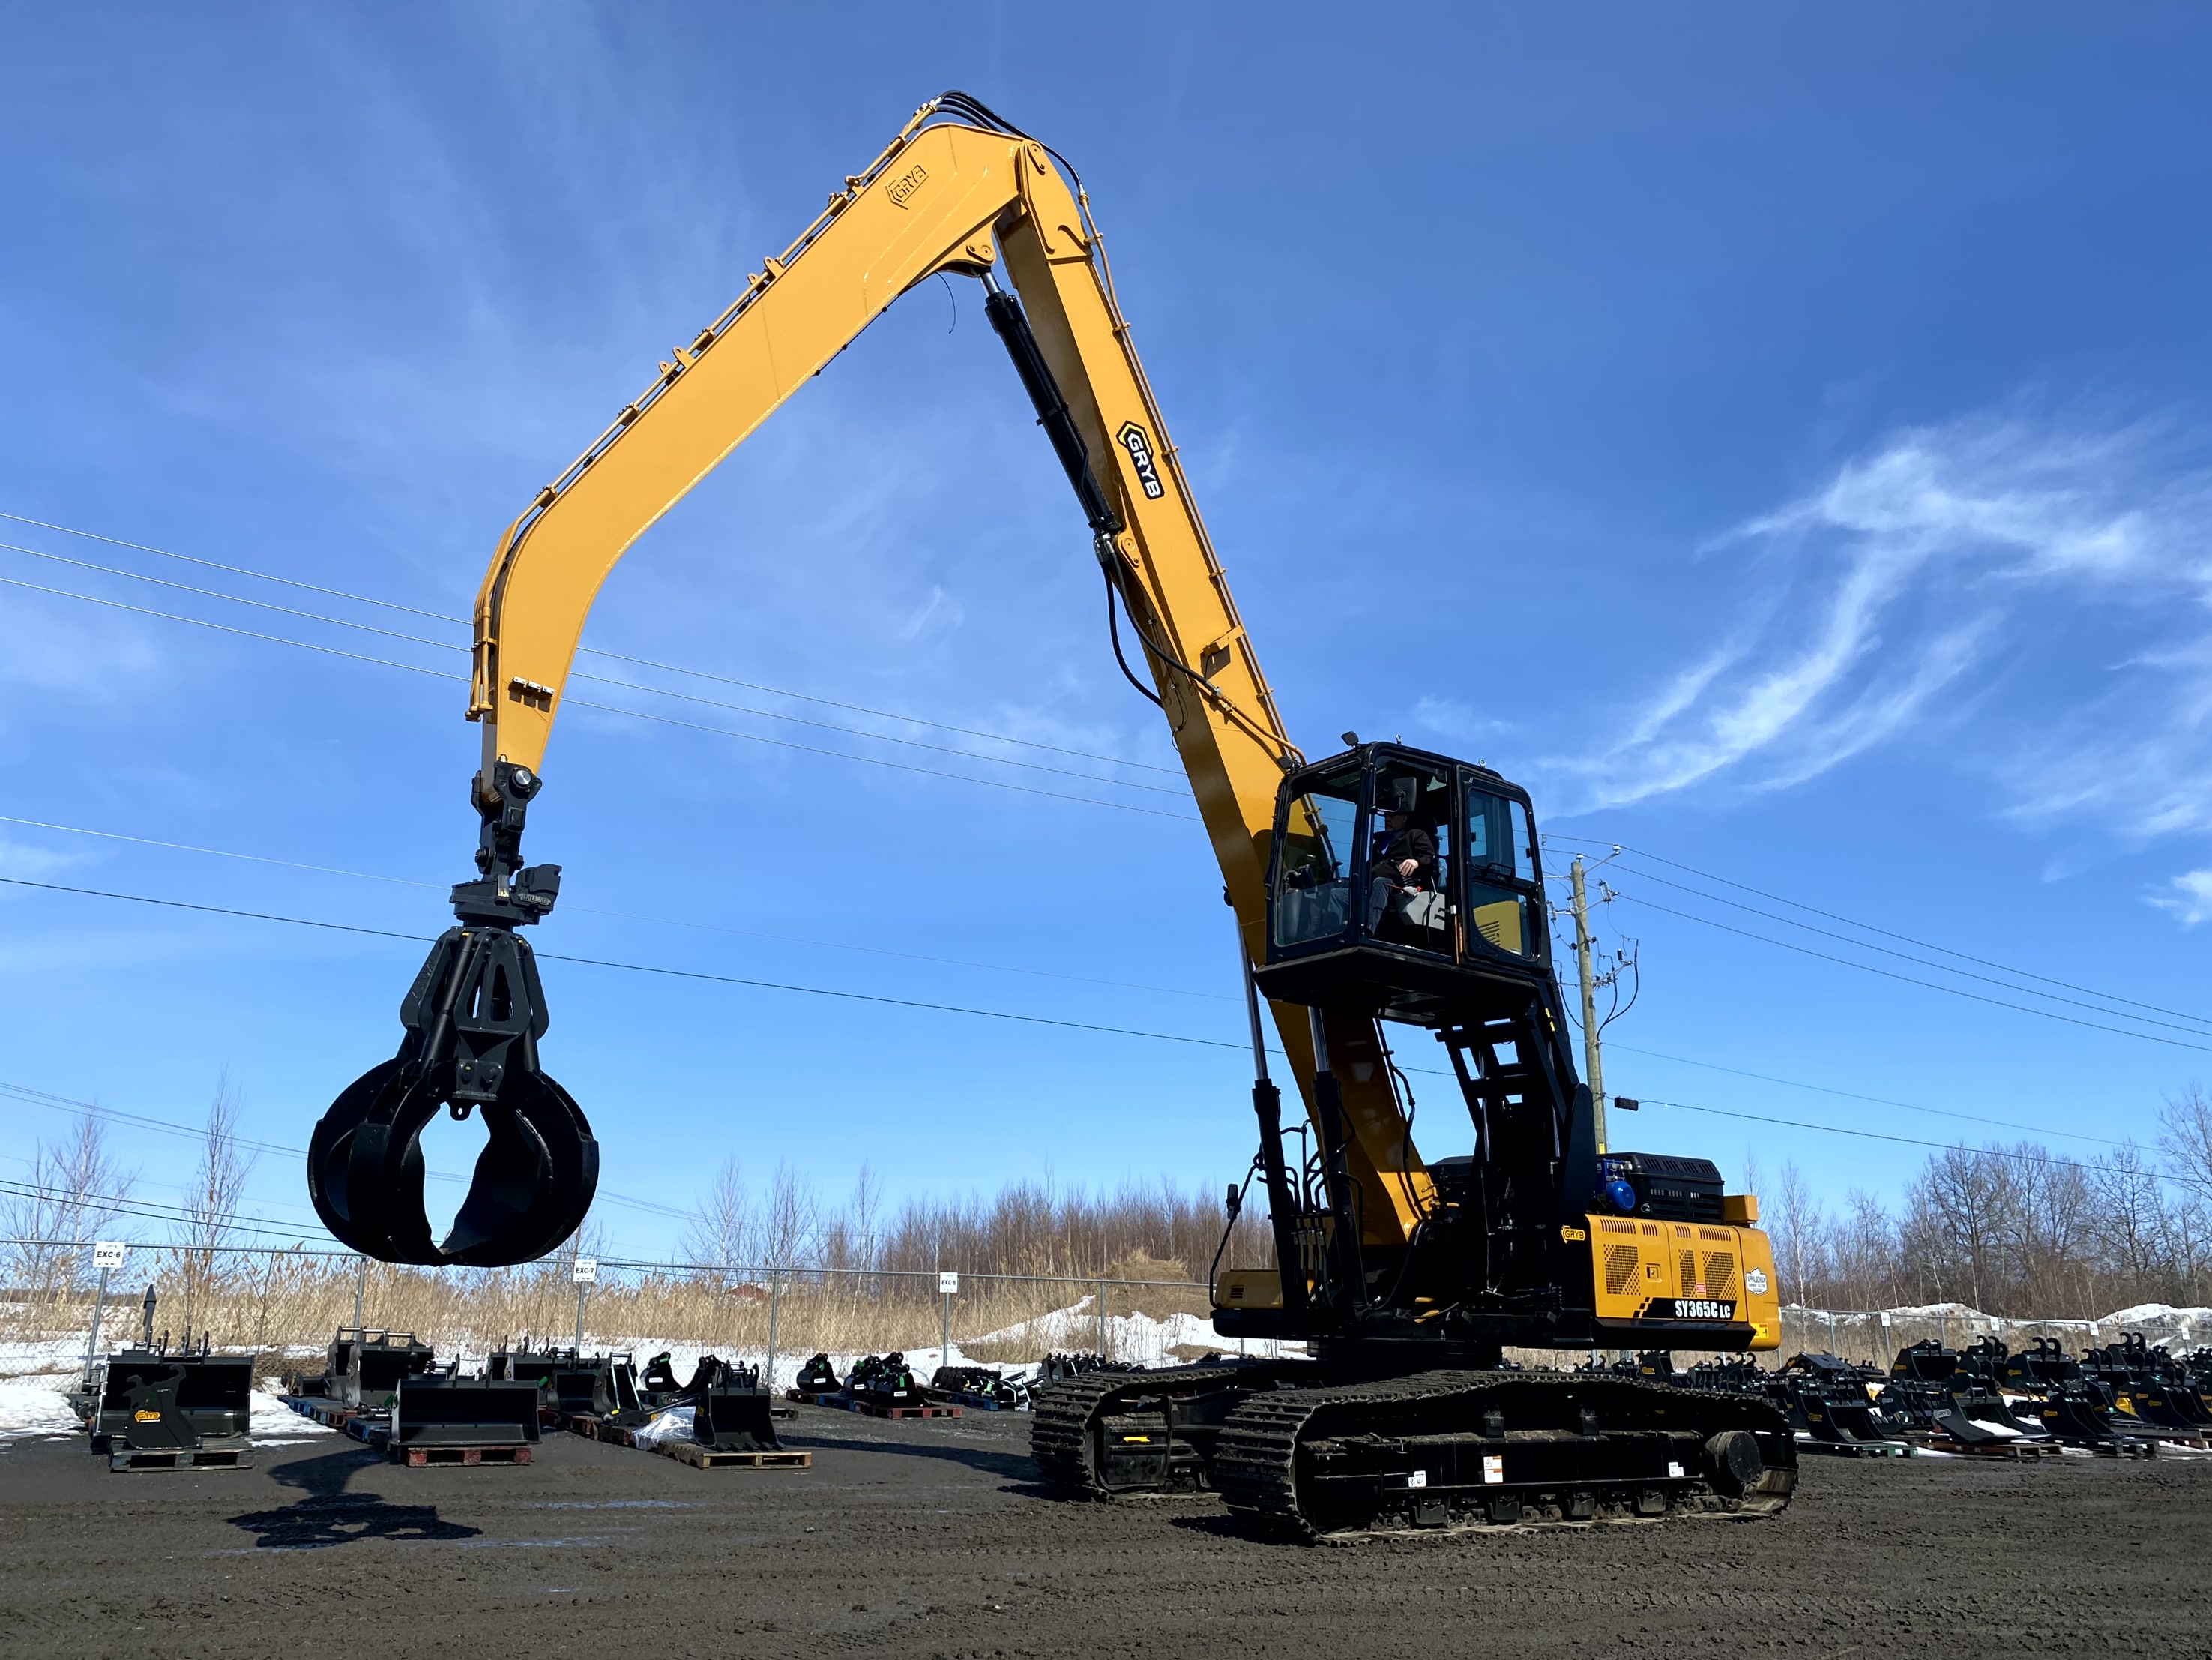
[[1068, 1417], [1460, 1449]]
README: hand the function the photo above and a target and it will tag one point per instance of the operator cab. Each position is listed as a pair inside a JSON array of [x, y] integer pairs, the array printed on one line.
[[1350, 926]]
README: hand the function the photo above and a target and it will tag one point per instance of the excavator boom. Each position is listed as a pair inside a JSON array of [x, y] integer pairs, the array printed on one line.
[[956, 191]]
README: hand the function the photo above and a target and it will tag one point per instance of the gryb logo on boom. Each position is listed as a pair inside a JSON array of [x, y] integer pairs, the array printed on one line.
[[900, 190], [1133, 439]]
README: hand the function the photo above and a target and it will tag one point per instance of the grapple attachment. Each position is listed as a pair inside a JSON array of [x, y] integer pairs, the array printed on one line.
[[472, 1017]]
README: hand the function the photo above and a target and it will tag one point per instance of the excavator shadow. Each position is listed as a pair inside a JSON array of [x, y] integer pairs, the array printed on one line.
[[1018, 1465], [329, 1515]]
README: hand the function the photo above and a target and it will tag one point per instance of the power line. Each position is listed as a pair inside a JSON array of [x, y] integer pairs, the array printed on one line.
[[235, 570], [1906, 957], [609, 708], [646, 968], [573, 908], [1853, 1095], [459, 621], [601, 679], [225, 628], [94, 1110], [1030, 1019], [2016, 1155], [144, 1209], [219, 853], [1868, 928], [1930, 985]]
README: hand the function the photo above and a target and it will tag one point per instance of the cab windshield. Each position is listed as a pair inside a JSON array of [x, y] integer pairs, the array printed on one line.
[[1409, 858], [1320, 834]]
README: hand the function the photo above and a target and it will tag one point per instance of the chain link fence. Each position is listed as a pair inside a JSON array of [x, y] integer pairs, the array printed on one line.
[[285, 1303], [289, 1301]]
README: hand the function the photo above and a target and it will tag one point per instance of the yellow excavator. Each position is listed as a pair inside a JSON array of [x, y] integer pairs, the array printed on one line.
[[1381, 889]]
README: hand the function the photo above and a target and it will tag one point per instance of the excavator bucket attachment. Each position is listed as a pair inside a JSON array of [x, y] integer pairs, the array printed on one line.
[[432, 1411], [732, 1414], [366, 1366], [2074, 1413], [660, 1379], [139, 1405], [163, 1411], [216, 1393]]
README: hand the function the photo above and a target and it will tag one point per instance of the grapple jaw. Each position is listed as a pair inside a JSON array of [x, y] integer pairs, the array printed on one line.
[[472, 1017]]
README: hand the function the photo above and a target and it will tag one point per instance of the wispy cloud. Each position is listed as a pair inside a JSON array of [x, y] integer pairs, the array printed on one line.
[[30, 864], [1454, 719], [2063, 559], [2189, 896]]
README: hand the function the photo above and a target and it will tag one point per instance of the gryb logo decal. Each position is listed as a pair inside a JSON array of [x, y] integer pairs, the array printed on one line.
[[902, 189], [1133, 438]]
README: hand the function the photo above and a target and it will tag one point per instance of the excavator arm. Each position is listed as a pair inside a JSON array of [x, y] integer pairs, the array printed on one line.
[[958, 190]]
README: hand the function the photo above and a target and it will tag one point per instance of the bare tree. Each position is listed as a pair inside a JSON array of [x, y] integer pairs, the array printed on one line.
[[2185, 1139], [2049, 1228], [1959, 1214], [865, 1209], [2132, 1231], [1800, 1227], [723, 1230], [74, 1190], [791, 1222], [1864, 1265], [209, 1224]]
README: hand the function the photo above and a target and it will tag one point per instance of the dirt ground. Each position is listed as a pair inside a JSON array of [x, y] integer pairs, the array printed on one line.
[[925, 1539]]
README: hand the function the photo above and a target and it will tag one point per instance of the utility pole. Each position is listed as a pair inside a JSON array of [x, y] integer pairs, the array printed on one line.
[[1592, 1064]]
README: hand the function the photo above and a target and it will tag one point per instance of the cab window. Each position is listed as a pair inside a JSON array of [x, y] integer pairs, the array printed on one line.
[[1313, 884], [1503, 912]]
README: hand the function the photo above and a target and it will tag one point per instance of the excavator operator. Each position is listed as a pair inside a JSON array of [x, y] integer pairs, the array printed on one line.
[[1403, 870]]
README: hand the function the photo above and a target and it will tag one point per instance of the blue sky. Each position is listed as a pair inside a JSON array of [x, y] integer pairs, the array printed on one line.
[[1780, 442]]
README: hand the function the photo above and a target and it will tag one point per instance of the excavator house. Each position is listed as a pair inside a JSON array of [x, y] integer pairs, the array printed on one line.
[[1386, 899]]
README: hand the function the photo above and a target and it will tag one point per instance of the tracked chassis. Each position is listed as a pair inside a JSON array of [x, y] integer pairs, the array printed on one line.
[[1297, 1454]]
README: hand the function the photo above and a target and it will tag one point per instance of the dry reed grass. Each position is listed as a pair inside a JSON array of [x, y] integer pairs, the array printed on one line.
[[291, 1302]]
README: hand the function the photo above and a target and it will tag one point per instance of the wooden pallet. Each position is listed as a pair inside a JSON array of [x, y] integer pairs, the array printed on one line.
[[708, 1458], [179, 1458], [333, 1413], [417, 1457], [973, 1402], [875, 1411], [2137, 1448], [1857, 1449], [598, 1429], [2013, 1451]]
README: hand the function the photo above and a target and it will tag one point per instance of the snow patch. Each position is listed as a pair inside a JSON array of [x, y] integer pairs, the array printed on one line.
[[273, 1424], [35, 1405]]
